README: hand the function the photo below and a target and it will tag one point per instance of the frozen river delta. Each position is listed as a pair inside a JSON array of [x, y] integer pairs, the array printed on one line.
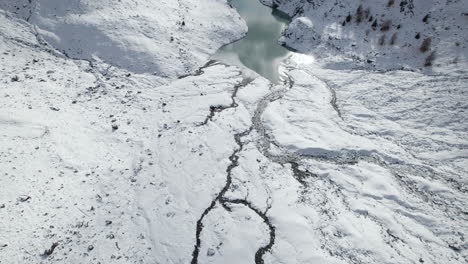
[[121, 142]]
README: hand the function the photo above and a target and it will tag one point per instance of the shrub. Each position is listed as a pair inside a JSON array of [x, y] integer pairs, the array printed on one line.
[[359, 14], [374, 25], [390, 3], [367, 12], [407, 6], [425, 45], [382, 40], [386, 25], [393, 39], [430, 59]]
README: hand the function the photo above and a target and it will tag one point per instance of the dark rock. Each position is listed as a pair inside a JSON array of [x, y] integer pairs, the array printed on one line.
[[15, 78], [108, 222], [210, 252], [24, 198], [348, 18], [90, 247], [50, 251], [425, 18], [115, 127], [454, 248]]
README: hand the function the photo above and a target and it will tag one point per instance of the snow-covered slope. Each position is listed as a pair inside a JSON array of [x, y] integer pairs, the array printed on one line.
[[97, 166], [166, 37], [117, 147], [398, 183], [385, 34], [107, 161]]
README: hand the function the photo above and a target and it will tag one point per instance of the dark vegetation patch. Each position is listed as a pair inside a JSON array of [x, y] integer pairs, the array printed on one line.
[[425, 45]]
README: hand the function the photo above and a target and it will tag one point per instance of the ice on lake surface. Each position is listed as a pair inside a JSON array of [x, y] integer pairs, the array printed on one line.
[[259, 50]]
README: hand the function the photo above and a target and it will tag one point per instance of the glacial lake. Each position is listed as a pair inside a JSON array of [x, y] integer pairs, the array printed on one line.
[[259, 50]]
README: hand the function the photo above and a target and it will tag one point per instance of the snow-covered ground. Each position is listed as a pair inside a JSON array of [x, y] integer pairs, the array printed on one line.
[[382, 34], [166, 38], [116, 147]]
